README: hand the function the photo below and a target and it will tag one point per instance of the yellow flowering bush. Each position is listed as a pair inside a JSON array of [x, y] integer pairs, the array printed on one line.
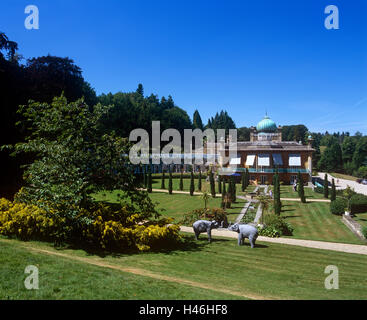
[[110, 228], [27, 221], [134, 234]]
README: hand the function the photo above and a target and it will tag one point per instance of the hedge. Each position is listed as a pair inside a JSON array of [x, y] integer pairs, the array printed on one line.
[[338, 206], [358, 203]]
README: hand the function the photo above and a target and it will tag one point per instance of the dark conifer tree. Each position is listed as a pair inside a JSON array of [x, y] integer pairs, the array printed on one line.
[[181, 180], [333, 191], [301, 191], [199, 181], [163, 183], [145, 177], [243, 181], [326, 187], [224, 193], [170, 181], [212, 183], [150, 188], [192, 185], [247, 178]]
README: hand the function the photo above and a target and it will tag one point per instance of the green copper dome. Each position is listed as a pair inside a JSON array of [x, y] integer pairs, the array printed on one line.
[[266, 125]]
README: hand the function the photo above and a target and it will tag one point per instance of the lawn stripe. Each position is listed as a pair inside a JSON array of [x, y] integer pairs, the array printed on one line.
[[147, 273]]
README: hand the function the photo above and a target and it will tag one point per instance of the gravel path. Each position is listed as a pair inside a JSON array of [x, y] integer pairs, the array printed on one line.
[[343, 183], [323, 245]]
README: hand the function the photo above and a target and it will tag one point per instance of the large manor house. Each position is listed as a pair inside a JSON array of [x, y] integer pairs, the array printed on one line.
[[263, 156], [266, 153]]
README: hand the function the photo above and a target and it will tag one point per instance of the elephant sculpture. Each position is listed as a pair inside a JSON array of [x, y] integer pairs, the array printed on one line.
[[201, 226], [245, 231]]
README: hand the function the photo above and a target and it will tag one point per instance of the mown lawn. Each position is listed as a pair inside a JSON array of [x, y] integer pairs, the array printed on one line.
[[361, 218], [314, 221], [205, 186], [61, 278], [287, 192], [176, 205], [269, 271]]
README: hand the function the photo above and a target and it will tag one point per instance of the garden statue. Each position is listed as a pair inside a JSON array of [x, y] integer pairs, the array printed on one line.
[[201, 226], [245, 231]]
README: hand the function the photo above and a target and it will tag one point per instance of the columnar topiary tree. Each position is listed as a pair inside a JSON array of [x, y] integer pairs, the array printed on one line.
[[199, 181], [149, 180], [234, 197], [163, 181], [277, 203], [333, 191], [247, 180], [243, 181], [326, 187], [232, 189], [170, 181], [219, 184], [181, 180], [301, 191], [212, 183], [192, 185], [224, 193], [145, 176], [229, 194]]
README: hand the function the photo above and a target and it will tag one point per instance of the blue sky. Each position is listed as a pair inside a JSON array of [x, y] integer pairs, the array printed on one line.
[[242, 56]]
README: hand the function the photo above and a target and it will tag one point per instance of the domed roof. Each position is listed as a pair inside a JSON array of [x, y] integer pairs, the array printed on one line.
[[266, 125]]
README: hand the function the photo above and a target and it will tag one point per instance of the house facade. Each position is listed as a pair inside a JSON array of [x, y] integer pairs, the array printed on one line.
[[266, 153]]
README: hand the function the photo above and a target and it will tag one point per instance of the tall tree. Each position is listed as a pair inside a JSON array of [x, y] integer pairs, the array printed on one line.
[[181, 180], [247, 178], [243, 181], [192, 183], [221, 121], [360, 154], [219, 184], [73, 160], [333, 190], [150, 182], [212, 183], [170, 180], [140, 90], [277, 202], [163, 184], [326, 186], [224, 194], [348, 149], [199, 180], [301, 191], [197, 122], [331, 158]]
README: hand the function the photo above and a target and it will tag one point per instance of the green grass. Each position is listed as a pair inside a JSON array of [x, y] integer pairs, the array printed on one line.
[[361, 218], [287, 192], [205, 186], [62, 278], [343, 176], [271, 271], [176, 205], [314, 221]]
